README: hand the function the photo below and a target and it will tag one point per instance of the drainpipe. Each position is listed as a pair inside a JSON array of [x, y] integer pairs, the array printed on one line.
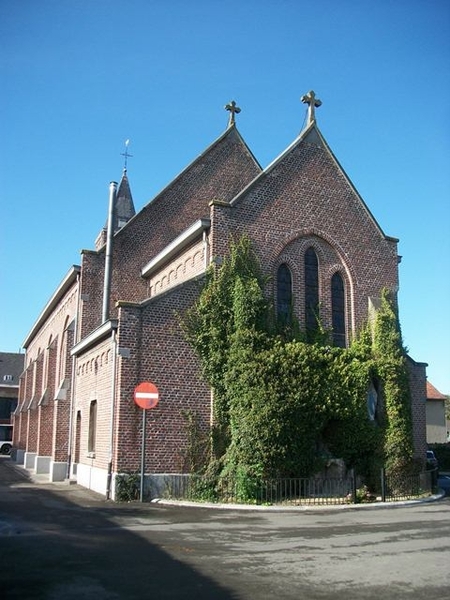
[[72, 383], [109, 247], [113, 407], [206, 249]]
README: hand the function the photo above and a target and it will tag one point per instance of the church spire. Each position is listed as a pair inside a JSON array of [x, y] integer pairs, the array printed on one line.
[[124, 209], [123, 205], [313, 103]]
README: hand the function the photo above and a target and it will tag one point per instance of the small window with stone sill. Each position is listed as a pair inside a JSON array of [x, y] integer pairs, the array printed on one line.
[[92, 428]]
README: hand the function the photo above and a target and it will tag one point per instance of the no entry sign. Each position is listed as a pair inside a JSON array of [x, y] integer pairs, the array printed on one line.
[[146, 395]]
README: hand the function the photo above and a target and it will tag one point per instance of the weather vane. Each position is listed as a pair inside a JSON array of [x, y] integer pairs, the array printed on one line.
[[126, 154]]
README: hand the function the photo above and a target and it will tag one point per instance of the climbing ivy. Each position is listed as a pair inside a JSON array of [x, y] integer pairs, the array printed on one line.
[[231, 301], [284, 407], [390, 357]]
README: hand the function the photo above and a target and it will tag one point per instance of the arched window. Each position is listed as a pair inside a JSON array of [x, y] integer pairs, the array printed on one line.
[[284, 292], [92, 426], [47, 366], [63, 352], [311, 290], [338, 310]]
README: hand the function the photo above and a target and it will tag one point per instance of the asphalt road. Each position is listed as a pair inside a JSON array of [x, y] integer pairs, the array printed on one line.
[[61, 542]]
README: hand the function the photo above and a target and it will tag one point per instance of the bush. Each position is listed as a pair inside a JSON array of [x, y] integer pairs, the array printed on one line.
[[127, 487]]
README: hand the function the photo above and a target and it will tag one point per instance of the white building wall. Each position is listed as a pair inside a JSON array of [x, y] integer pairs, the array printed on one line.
[[436, 422]]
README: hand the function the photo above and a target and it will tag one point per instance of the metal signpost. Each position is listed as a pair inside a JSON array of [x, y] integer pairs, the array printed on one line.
[[146, 396]]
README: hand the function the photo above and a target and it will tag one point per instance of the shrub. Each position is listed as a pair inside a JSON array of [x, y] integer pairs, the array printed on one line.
[[127, 486]]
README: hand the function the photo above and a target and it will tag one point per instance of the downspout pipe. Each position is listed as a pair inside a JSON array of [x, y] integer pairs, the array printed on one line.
[[72, 383], [113, 410], [109, 251]]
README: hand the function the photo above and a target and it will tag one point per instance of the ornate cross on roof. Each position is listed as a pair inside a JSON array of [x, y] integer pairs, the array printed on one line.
[[126, 154], [312, 102], [233, 110]]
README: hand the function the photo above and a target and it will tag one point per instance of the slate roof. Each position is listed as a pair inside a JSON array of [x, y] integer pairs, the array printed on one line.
[[11, 365], [124, 203], [124, 208]]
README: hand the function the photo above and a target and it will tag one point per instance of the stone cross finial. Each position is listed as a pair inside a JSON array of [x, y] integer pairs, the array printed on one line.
[[233, 110], [312, 102]]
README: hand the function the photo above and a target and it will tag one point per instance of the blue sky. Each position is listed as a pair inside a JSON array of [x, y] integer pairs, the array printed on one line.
[[79, 77]]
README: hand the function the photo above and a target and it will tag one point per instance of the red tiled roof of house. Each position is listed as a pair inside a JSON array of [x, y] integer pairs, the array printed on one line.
[[433, 393]]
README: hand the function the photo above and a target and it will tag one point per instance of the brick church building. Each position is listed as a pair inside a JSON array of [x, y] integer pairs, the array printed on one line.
[[110, 325]]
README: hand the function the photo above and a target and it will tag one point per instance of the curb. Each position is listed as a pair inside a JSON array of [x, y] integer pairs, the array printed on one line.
[[301, 508]]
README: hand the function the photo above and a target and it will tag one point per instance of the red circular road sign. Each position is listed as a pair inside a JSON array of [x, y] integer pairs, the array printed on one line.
[[146, 395]]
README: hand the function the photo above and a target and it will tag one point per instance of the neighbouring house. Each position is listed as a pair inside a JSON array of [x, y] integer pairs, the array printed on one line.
[[436, 419], [11, 368], [112, 324]]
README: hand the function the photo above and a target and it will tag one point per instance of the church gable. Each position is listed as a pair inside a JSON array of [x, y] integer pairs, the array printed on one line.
[[307, 183], [305, 195], [220, 172]]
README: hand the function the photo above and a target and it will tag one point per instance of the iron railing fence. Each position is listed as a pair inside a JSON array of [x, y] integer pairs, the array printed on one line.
[[295, 491], [406, 486]]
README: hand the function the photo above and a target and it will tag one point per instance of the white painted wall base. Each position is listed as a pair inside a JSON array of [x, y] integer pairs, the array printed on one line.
[[42, 464], [29, 460], [58, 471], [92, 478], [19, 456]]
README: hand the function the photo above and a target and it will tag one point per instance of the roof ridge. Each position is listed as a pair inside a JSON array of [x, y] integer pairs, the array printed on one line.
[[275, 161], [232, 129]]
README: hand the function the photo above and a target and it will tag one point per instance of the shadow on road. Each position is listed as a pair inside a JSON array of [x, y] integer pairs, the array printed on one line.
[[61, 542]]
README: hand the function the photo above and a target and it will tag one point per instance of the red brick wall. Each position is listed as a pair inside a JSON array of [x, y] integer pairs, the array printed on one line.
[[41, 429], [417, 383], [91, 292], [94, 382], [159, 353], [61, 411]]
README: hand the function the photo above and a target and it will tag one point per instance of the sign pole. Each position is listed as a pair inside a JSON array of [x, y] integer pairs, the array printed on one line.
[[146, 395], [144, 414]]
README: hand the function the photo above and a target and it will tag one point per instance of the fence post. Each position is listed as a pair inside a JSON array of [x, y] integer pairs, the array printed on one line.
[[434, 480], [353, 486], [383, 485]]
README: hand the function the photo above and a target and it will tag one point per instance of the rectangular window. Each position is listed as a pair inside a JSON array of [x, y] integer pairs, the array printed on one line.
[[92, 426]]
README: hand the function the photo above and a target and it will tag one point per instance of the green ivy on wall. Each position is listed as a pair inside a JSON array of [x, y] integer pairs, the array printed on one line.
[[390, 358], [283, 407]]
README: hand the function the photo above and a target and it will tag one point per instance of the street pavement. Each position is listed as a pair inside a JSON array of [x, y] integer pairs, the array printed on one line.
[[62, 542]]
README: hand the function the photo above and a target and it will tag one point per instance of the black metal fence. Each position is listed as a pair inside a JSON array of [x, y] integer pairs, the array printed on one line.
[[296, 491], [407, 487]]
